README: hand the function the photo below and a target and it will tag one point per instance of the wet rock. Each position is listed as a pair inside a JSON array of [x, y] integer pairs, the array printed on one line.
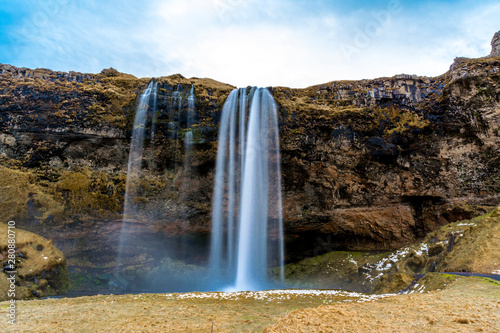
[[416, 263], [379, 228], [393, 283], [436, 249]]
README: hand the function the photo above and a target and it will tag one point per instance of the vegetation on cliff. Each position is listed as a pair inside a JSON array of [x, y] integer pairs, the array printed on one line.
[[391, 155], [463, 246]]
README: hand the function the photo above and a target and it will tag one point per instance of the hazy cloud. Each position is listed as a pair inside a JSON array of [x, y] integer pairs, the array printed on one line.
[[251, 42]]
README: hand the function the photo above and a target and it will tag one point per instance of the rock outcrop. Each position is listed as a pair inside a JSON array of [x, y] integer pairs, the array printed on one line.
[[495, 45], [366, 165], [463, 246], [40, 268]]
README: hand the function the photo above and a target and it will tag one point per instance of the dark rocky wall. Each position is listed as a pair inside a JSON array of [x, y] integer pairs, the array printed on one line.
[[366, 165]]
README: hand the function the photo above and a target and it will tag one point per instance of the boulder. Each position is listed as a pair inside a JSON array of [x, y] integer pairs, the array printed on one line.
[[40, 268]]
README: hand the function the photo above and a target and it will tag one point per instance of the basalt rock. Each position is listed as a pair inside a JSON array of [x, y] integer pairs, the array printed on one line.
[[366, 165], [495, 45]]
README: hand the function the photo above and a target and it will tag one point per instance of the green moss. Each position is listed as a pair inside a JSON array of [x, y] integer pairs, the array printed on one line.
[[82, 193], [61, 281]]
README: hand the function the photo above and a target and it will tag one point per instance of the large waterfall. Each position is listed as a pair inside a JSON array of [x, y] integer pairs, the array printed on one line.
[[247, 235]]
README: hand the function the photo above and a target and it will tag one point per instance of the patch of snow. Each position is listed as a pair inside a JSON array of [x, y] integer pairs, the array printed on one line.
[[386, 263], [423, 248], [274, 295], [468, 224], [496, 272]]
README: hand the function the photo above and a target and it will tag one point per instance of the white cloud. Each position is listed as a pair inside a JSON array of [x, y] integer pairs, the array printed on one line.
[[258, 42]]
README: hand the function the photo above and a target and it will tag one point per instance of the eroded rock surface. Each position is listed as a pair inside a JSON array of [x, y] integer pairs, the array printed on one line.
[[495, 45], [366, 165]]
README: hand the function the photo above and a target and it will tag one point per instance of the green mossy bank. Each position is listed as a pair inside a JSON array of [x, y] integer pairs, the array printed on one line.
[[463, 246]]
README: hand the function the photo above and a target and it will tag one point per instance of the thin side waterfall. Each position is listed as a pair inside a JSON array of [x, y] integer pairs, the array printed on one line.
[[136, 150], [190, 117], [134, 167], [247, 234], [154, 110], [188, 136], [175, 109]]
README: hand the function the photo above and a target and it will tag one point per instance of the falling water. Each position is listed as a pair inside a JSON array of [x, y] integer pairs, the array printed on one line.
[[247, 235], [135, 155], [175, 109], [190, 117], [134, 166], [188, 136], [154, 111]]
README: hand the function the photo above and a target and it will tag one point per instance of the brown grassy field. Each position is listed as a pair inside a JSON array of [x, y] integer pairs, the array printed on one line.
[[468, 305]]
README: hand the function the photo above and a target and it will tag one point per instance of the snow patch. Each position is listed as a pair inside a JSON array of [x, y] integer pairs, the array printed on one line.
[[274, 295], [423, 248]]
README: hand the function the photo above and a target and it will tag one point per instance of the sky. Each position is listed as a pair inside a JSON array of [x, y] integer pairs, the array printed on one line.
[[293, 43]]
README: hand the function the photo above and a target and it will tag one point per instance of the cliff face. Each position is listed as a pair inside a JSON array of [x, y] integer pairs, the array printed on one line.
[[495, 45], [366, 165]]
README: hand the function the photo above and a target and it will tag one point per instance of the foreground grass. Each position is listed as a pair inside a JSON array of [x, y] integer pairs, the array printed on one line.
[[192, 312], [469, 305]]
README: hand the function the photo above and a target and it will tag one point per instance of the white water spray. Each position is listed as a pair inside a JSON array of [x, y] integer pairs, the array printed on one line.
[[247, 234]]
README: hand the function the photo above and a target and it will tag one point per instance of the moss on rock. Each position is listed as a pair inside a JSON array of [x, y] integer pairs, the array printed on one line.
[[41, 268], [393, 283]]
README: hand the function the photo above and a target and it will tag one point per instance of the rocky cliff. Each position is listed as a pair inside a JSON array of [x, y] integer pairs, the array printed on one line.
[[495, 45], [366, 165]]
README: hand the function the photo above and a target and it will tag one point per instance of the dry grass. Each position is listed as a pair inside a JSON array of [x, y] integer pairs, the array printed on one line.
[[194, 312], [40, 256], [471, 305], [478, 249], [40, 251]]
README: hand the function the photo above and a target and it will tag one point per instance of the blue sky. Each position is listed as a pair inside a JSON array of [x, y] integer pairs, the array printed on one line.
[[293, 43]]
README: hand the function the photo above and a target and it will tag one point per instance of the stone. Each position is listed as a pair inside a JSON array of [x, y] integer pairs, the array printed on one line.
[[393, 283], [495, 45], [379, 227], [48, 263]]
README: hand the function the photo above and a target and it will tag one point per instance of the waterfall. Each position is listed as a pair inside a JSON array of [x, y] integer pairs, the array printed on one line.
[[190, 117], [247, 234], [134, 166], [135, 155], [154, 116], [188, 136], [175, 109]]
